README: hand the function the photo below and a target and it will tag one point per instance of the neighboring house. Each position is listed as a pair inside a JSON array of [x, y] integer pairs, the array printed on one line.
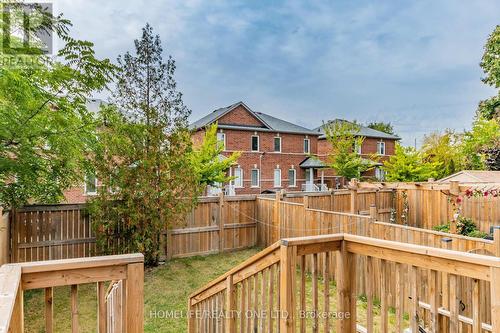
[[272, 149], [473, 176], [376, 145], [275, 154]]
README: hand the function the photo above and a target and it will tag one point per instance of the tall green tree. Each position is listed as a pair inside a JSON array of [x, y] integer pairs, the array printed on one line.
[[45, 127], [208, 162], [343, 157], [409, 165], [484, 135], [144, 153], [382, 127], [443, 149]]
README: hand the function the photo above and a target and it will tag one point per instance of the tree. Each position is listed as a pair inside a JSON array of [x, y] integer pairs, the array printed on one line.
[[343, 157], [490, 62], [443, 150], [408, 165], [45, 127], [484, 135], [144, 153], [382, 127], [207, 160]]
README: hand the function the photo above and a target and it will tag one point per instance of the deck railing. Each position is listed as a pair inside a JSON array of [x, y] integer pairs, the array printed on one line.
[[16, 278], [310, 282]]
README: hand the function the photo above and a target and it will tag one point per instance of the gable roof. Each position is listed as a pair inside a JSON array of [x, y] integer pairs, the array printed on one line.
[[363, 131], [270, 123], [474, 176]]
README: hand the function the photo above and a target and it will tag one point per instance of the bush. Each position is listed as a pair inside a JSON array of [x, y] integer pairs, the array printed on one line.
[[465, 227]]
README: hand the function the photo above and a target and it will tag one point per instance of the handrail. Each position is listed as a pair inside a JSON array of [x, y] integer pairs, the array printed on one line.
[[15, 278]]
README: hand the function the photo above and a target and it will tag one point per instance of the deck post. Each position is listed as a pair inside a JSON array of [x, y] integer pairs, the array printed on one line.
[[135, 298], [496, 239], [230, 305], [288, 263], [346, 290], [495, 299], [17, 319], [354, 196]]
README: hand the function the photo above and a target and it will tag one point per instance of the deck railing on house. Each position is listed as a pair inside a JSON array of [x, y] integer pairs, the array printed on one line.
[[129, 269], [309, 282]]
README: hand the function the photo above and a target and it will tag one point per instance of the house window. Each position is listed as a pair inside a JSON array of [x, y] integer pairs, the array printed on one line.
[[221, 139], [238, 174], [277, 177], [255, 143], [277, 144], [90, 184], [255, 177], [357, 148], [292, 178], [379, 174], [381, 148], [306, 146]]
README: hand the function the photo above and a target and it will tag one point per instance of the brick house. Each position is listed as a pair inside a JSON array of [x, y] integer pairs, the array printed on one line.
[[272, 149], [275, 154]]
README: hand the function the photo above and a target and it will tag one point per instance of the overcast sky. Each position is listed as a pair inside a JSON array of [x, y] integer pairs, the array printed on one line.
[[415, 64]]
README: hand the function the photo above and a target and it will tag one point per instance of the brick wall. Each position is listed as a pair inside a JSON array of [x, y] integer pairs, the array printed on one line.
[[240, 116]]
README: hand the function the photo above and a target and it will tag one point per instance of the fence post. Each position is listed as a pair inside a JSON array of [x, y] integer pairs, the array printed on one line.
[[288, 263], [276, 217], [496, 239], [191, 318], [354, 200], [230, 305], [170, 247], [221, 222], [4, 237], [346, 290], [332, 200], [373, 218], [134, 299]]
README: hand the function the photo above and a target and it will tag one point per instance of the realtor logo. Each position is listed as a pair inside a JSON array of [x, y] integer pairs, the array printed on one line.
[[26, 28]]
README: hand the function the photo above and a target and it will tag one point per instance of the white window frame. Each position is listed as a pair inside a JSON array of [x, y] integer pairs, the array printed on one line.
[[258, 143], [258, 178], [308, 151], [85, 187], [223, 139], [380, 144], [279, 178], [294, 178], [358, 148], [274, 144], [379, 174], [240, 178]]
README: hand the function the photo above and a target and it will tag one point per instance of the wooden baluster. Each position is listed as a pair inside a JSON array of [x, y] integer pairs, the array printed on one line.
[[191, 318], [326, 291], [434, 300], [454, 303], [476, 307], [74, 308], [346, 289], [399, 297], [134, 298], [369, 294], [249, 305], [414, 318], [271, 298], [256, 302], [230, 305], [495, 298], [263, 301], [49, 310], [302, 293], [288, 257], [384, 327], [243, 306], [315, 292], [101, 307]]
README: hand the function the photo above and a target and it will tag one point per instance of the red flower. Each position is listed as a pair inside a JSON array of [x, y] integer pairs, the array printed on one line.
[[459, 199], [485, 193]]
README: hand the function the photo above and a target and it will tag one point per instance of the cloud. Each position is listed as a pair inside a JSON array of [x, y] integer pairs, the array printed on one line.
[[412, 63]]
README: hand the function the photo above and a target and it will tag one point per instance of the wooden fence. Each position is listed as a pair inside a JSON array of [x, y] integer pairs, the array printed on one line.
[[430, 204], [44, 232]]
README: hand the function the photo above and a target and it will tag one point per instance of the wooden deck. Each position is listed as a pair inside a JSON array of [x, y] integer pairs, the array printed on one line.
[[274, 282]]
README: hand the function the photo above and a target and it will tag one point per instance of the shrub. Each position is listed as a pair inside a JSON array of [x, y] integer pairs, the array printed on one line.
[[465, 227]]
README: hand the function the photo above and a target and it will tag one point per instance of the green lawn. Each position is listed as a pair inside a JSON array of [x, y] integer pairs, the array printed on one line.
[[167, 288]]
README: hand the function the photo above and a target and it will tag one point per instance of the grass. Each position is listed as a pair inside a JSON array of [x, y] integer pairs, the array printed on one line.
[[166, 289]]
